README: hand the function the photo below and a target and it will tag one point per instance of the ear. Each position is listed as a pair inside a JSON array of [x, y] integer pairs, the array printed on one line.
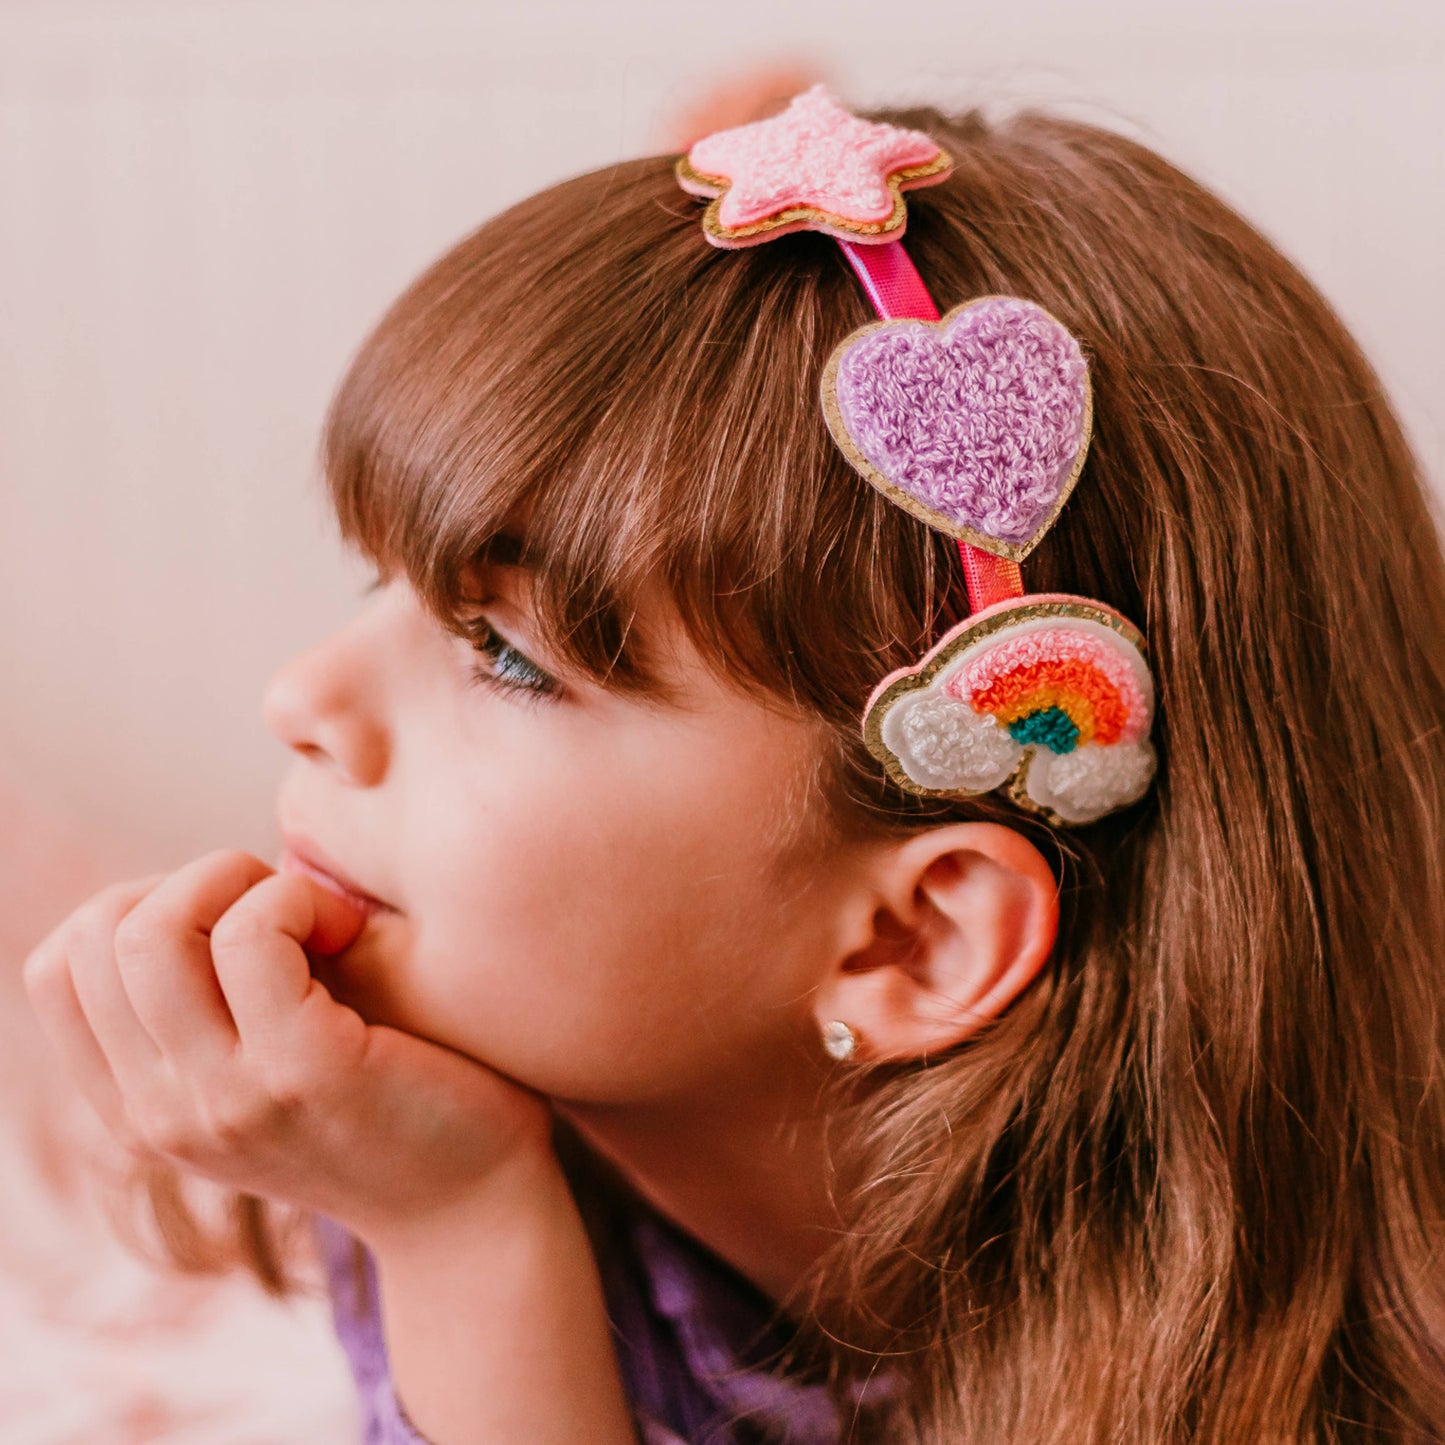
[[950, 925]]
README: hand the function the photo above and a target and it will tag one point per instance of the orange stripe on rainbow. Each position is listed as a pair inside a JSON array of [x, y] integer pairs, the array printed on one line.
[[1086, 676], [1069, 683]]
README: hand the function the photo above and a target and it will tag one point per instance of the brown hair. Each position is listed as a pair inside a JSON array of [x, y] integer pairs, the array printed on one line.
[[1191, 1186]]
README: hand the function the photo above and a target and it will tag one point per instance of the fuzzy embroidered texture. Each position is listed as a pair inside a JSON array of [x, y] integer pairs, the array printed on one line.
[[1092, 681], [945, 745], [1083, 695], [814, 154], [1050, 688], [1049, 727], [1089, 782], [981, 420]]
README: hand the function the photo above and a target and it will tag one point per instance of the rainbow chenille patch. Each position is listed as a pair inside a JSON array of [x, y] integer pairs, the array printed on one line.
[[1048, 693]]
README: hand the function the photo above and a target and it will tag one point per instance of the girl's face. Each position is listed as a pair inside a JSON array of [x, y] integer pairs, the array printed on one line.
[[600, 896]]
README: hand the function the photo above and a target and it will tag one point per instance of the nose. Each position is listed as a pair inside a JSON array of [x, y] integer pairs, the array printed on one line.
[[322, 705]]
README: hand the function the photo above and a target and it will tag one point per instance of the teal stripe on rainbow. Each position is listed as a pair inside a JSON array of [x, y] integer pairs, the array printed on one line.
[[1048, 727]]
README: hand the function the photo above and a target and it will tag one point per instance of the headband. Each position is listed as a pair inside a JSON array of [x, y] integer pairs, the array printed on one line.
[[977, 423]]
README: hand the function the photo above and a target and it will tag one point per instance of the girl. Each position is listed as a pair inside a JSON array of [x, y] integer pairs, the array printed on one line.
[[1141, 1135]]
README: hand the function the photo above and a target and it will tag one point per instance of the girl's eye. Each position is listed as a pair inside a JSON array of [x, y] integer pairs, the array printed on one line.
[[503, 666]]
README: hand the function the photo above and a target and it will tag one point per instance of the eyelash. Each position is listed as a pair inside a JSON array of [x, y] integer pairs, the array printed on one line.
[[486, 640], [526, 679]]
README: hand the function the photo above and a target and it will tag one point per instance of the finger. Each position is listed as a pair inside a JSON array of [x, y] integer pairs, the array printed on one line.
[[334, 929], [129, 1049], [163, 954], [50, 987], [259, 951], [64, 1024]]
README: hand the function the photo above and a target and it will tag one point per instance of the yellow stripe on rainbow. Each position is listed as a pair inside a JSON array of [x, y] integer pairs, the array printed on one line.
[[1076, 687]]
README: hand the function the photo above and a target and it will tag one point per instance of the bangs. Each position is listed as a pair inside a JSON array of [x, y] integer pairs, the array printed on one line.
[[586, 388]]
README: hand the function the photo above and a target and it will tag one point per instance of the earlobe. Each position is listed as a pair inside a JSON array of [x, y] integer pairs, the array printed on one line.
[[962, 919]]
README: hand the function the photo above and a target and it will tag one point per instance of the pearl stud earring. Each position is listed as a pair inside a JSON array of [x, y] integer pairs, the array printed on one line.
[[839, 1040]]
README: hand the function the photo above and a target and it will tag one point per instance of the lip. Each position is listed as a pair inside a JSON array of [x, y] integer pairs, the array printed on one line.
[[301, 855]]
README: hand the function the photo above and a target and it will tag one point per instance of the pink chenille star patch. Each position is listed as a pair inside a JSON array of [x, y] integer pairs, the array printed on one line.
[[815, 167]]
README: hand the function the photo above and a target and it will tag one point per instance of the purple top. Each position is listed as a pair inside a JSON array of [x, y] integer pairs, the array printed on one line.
[[693, 1337]]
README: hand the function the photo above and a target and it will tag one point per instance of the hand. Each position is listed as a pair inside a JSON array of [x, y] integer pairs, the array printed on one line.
[[185, 1009]]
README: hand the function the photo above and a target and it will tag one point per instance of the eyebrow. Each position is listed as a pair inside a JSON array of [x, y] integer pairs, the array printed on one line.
[[505, 550], [502, 549], [501, 552]]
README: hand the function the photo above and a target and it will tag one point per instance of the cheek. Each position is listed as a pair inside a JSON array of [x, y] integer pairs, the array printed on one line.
[[594, 923]]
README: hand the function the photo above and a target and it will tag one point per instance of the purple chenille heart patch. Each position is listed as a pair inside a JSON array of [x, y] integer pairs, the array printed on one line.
[[977, 423]]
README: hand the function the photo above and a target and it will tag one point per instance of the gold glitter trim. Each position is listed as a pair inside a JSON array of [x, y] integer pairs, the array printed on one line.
[[833, 415], [958, 640], [811, 218]]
